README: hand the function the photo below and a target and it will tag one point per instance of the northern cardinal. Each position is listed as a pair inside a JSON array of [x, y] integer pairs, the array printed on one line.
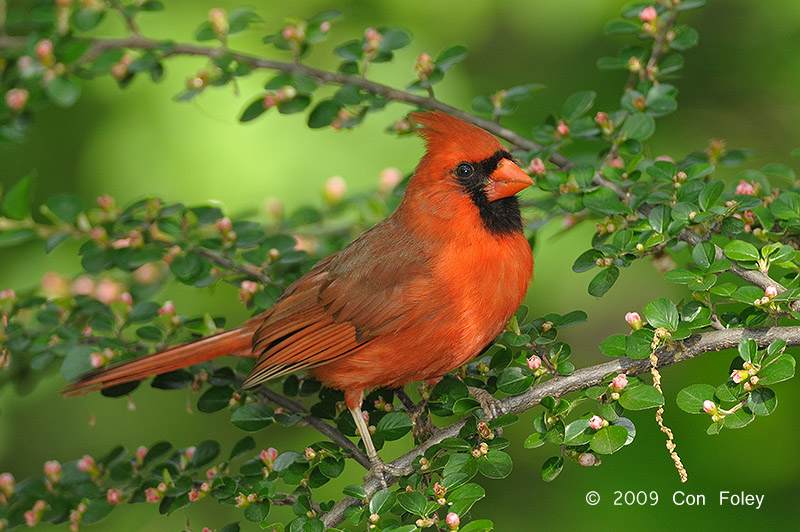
[[415, 296]]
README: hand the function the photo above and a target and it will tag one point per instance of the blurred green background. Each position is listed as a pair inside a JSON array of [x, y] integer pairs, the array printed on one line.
[[741, 85]]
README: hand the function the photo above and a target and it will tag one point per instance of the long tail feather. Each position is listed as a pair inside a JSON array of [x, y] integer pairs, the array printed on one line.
[[237, 342]]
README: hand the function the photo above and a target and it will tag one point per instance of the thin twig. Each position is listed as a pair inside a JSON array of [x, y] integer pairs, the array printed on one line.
[[312, 421]]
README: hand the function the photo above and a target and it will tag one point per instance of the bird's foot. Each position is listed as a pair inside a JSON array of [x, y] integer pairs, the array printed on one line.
[[384, 472], [492, 407]]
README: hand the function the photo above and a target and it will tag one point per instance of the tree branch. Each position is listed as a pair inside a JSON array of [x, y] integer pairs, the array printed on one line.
[[98, 46], [312, 421], [671, 353]]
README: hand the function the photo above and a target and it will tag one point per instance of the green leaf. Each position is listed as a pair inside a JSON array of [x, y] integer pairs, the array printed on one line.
[[762, 402], [639, 126], [242, 447], [682, 276], [514, 380], [496, 464], [609, 439], [215, 398], [704, 254], [356, 491], [576, 432], [604, 202], [552, 468], [586, 261], [779, 369], [641, 398], [783, 255], [662, 313], [382, 501], [711, 193], [205, 453], [257, 511], [659, 218], [394, 425], [685, 38], [479, 525], [295, 105], [96, 510], [747, 349], [15, 237], [63, 91], [747, 294], [691, 398], [535, 440], [65, 206], [622, 26], [578, 104], [144, 311], [413, 502], [462, 498], [786, 206], [614, 346], [254, 110], [603, 281], [638, 344], [252, 417], [393, 39], [450, 56], [740, 250], [323, 114], [17, 201]]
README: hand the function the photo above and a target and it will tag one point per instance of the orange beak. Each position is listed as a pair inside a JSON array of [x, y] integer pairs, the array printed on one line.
[[506, 180]]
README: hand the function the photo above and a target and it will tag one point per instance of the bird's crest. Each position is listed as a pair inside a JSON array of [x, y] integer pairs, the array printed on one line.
[[447, 134]]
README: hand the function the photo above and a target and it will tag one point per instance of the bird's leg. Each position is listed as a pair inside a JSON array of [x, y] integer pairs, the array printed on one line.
[[379, 468], [492, 408]]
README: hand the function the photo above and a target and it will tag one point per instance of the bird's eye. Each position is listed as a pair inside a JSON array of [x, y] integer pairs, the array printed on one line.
[[464, 170]]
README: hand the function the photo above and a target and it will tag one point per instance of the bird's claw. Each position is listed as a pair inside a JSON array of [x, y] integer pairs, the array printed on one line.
[[491, 406]]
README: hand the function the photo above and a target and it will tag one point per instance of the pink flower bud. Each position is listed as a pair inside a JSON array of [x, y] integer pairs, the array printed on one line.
[[771, 291], [83, 285], [310, 454], [141, 452], [7, 484], [754, 380], [107, 291], [439, 490], [152, 495], [87, 465], [372, 41], [634, 320], [596, 422], [619, 382], [8, 295], [168, 308], [43, 49], [536, 166], [738, 376], [483, 430], [288, 33], [218, 18], [424, 65], [745, 188], [54, 285], [648, 14], [269, 101], [453, 521], [105, 202], [709, 407], [562, 128], [113, 496], [268, 456], [335, 189], [194, 495], [388, 179], [587, 459], [224, 224], [534, 362], [16, 99], [31, 518], [52, 470], [325, 27], [601, 118]]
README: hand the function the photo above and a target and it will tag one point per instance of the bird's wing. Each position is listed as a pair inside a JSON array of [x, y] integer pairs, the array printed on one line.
[[345, 301]]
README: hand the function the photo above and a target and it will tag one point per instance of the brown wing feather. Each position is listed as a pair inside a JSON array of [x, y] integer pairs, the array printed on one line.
[[340, 304]]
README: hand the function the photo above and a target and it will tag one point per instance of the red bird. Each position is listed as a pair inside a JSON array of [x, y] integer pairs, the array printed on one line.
[[415, 296]]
